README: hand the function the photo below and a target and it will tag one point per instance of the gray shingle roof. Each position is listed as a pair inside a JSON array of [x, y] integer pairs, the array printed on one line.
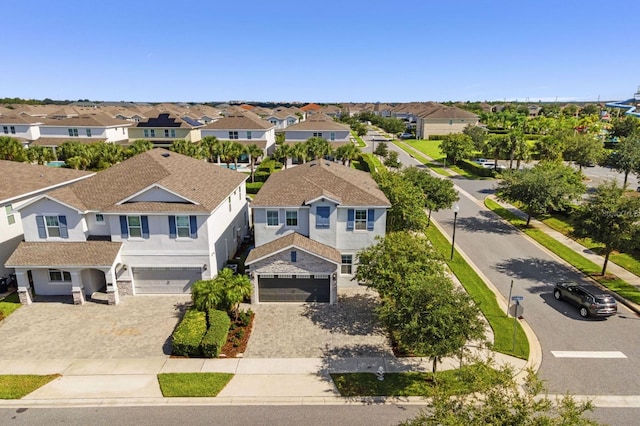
[[298, 185], [87, 253], [293, 240], [204, 183], [239, 122]]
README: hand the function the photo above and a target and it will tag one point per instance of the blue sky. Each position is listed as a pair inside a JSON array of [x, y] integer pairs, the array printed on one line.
[[320, 51]]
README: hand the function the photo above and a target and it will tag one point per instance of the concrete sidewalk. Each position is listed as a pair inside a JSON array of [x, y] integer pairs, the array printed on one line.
[[256, 381]]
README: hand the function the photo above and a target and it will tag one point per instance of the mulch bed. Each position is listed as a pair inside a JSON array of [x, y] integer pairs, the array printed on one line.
[[237, 339]]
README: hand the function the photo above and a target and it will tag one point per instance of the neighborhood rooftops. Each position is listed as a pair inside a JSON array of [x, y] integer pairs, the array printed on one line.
[[306, 182]]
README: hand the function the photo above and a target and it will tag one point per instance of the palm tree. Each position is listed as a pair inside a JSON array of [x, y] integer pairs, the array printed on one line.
[[40, 154], [282, 152], [226, 151], [237, 288], [318, 147], [347, 152], [210, 147], [237, 149], [11, 149], [206, 295], [300, 151], [184, 147], [139, 146], [254, 152]]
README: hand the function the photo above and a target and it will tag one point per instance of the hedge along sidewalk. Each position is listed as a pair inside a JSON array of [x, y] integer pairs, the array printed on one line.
[[623, 283], [490, 301]]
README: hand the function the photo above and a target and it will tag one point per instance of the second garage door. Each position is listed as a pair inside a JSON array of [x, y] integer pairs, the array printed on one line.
[[294, 289], [165, 280]]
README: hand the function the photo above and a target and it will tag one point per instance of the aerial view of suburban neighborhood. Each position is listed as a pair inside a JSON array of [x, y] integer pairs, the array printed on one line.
[[371, 251]]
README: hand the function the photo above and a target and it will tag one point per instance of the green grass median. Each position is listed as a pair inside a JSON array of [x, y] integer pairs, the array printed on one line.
[[192, 384], [20, 385]]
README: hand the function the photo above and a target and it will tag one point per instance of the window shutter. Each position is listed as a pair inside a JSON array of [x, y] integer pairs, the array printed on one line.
[[350, 219], [62, 222], [42, 231], [193, 227], [124, 229], [145, 227], [294, 256], [172, 227], [370, 219]]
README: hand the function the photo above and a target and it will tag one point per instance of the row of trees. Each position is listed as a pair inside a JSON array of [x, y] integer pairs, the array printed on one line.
[[313, 148]]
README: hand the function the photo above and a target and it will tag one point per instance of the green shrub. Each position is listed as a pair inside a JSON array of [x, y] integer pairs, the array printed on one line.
[[245, 317], [437, 137], [475, 168], [254, 187], [267, 165], [187, 336], [277, 165], [216, 336], [261, 176]]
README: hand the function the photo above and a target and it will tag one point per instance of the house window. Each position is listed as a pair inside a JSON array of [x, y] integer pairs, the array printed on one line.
[[248, 135], [73, 132], [294, 256], [173, 133], [13, 130], [361, 220], [322, 217], [166, 133], [146, 133], [333, 136], [233, 135], [346, 266], [272, 218], [11, 219], [182, 226], [88, 131], [229, 203], [99, 218], [153, 133], [5, 129], [53, 226], [292, 218], [317, 134], [274, 122], [59, 276], [135, 226]]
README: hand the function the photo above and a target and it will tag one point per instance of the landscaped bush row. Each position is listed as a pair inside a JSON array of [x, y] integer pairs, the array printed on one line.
[[437, 137], [475, 168], [193, 338], [188, 334], [254, 187], [216, 335], [267, 165], [366, 163]]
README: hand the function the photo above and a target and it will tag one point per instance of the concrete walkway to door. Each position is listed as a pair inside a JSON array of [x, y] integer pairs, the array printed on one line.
[[315, 330]]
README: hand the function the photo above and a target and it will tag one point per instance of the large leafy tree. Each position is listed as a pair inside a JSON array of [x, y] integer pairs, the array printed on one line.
[[610, 217], [626, 157], [11, 149], [625, 126], [584, 149], [407, 202], [477, 134], [496, 147], [505, 404], [456, 146], [438, 193], [391, 160], [549, 148], [546, 186]]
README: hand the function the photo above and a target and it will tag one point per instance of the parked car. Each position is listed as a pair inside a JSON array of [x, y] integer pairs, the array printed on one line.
[[588, 302], [492, 165], [407, 136], [481, 161]]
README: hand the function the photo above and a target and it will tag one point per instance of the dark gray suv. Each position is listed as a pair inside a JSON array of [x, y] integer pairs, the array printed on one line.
[[588, 302]]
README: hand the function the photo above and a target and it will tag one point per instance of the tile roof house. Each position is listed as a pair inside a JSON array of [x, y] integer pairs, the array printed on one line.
[[154, 223], [307, 234], [20, 183], [245, 128]]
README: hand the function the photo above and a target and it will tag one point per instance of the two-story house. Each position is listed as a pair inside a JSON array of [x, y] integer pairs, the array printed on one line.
[[154, 223], [442, 120], [22, 127], [86, 128], [310, 222], [245, 128], [20, 183], [162, 128], [319, 125]]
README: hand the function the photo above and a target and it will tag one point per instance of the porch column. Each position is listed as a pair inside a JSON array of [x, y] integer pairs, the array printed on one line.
[[333, 296], [113, 296], [25, 292], [77, 288]]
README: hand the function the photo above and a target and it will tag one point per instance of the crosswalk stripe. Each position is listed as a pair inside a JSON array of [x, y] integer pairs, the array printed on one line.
[[588, 354]]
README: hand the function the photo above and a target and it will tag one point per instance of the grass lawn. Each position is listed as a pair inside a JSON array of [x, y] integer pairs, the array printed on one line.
[[436, 167], [17, 386], [429, 148], [501, 324], [471, 378], [581, 263], [358, 139], [374, 160], [192, 384], [9, 304]]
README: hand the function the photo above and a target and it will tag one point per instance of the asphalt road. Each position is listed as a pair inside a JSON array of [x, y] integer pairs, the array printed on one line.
[[503, 254]]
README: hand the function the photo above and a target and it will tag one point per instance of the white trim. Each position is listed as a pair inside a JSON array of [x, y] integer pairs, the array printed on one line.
[[44, 189], [35, 200], [325, 198], [153, 186], [297, 248]]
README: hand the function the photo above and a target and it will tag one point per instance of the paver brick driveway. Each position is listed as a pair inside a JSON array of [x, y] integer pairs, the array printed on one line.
[[138, 327]]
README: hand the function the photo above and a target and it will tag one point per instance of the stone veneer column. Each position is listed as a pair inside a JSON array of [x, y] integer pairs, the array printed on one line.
[[77, 289], [113, 295]]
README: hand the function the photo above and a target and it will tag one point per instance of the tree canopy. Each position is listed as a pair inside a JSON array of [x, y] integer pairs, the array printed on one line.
[[438, 193], [456, 146], [407, 202]]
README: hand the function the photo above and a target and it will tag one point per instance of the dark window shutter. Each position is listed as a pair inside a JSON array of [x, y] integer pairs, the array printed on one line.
[[350, 219], [370, 219], [145, 227], [294, 256], [193, 227], [124, 228], [172, 227], [62, 222], [42, 230]]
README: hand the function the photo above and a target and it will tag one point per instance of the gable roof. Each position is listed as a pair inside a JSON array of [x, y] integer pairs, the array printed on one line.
[[239, 121], [311, 107], [318, 122], [86, 120], [320, 179], [54, 254], [205, 183], [293, 240], [166, 119], [448, 112], [20, 179]]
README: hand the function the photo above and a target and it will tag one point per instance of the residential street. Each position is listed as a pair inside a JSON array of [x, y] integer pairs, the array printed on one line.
[[503, 254]]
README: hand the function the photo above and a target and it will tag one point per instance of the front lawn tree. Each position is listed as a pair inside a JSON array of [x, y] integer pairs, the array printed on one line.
[[585, 149], [381, 149], [392, 160], [407, 202], [456, 146], [438, 193], [546, 186], [609, 217], [224, 292], [626, 157], [477, 134], [254, 152]]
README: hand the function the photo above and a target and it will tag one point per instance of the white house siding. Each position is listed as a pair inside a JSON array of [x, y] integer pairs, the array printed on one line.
[[264, 234], [42, 286], [63, 132], [97, 228], [326, 236], [353, 241], [45, 207], [25, 131], [115, 134], [303, 135], [157, 195], [10, 236]]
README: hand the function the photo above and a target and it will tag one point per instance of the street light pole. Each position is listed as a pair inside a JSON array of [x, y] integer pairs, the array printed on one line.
[[456, 209]]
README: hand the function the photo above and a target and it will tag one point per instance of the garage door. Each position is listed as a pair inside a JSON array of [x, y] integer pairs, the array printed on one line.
[[165, 280], [294, 289]]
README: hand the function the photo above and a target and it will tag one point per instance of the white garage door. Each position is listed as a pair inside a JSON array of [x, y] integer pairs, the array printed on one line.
[[165, 280]]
